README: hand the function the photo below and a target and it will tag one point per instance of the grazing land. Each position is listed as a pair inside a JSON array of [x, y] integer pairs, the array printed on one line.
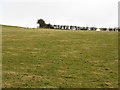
[[47, 58]]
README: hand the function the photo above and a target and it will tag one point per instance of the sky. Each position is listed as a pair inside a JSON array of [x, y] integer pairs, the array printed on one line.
[[25, 13]]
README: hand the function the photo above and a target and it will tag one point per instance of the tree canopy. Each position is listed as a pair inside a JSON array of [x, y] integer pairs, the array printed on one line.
[[41, 23]]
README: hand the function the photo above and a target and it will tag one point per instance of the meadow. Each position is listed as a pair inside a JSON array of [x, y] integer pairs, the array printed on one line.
[[47, 58]]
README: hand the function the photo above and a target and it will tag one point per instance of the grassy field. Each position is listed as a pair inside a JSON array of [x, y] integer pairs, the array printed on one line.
[[46, 58]]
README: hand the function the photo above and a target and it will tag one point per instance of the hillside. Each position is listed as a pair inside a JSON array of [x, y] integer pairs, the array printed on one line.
[[49, 58]]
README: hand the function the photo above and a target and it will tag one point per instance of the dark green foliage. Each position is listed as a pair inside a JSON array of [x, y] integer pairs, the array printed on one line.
[[55, 26], [58, 26], [118, 29], [41, 23], [67, 27], [63, 27], [110, 29], [93, 28], [84, 28], [71, 27], [49, 26], [103, 29]]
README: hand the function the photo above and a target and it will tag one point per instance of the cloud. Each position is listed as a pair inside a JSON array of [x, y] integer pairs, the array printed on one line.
[[71, 12]]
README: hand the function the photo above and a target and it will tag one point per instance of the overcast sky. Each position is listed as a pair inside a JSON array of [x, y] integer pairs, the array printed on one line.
[[25, 13]]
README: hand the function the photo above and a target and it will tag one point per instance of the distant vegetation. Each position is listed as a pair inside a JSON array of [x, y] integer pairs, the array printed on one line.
[[42, 24]]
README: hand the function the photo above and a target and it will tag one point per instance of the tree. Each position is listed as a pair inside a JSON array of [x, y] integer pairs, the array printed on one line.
[[67, 27], [82, 28], [103, 29], [75, 27], [93, 28], [55, 26], [64, 27], [41, 23], [49, 26], [78, 28], [58, 26], [118, 29], [71, 27]]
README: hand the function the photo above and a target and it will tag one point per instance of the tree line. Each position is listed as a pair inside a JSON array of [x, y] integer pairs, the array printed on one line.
[[42, 24]]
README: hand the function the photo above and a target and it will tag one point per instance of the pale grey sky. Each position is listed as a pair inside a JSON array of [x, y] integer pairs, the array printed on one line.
[[25, 13]]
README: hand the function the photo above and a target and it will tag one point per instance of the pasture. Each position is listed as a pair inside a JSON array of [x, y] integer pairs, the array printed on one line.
[[47, 58]]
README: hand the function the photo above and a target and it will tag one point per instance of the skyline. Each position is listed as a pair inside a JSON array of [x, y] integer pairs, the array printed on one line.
[[97, 13]]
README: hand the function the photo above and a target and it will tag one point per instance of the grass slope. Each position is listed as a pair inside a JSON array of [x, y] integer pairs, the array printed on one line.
[[46, 58]]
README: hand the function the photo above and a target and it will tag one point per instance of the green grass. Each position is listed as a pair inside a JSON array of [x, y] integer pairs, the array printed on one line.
[[46, 58]]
